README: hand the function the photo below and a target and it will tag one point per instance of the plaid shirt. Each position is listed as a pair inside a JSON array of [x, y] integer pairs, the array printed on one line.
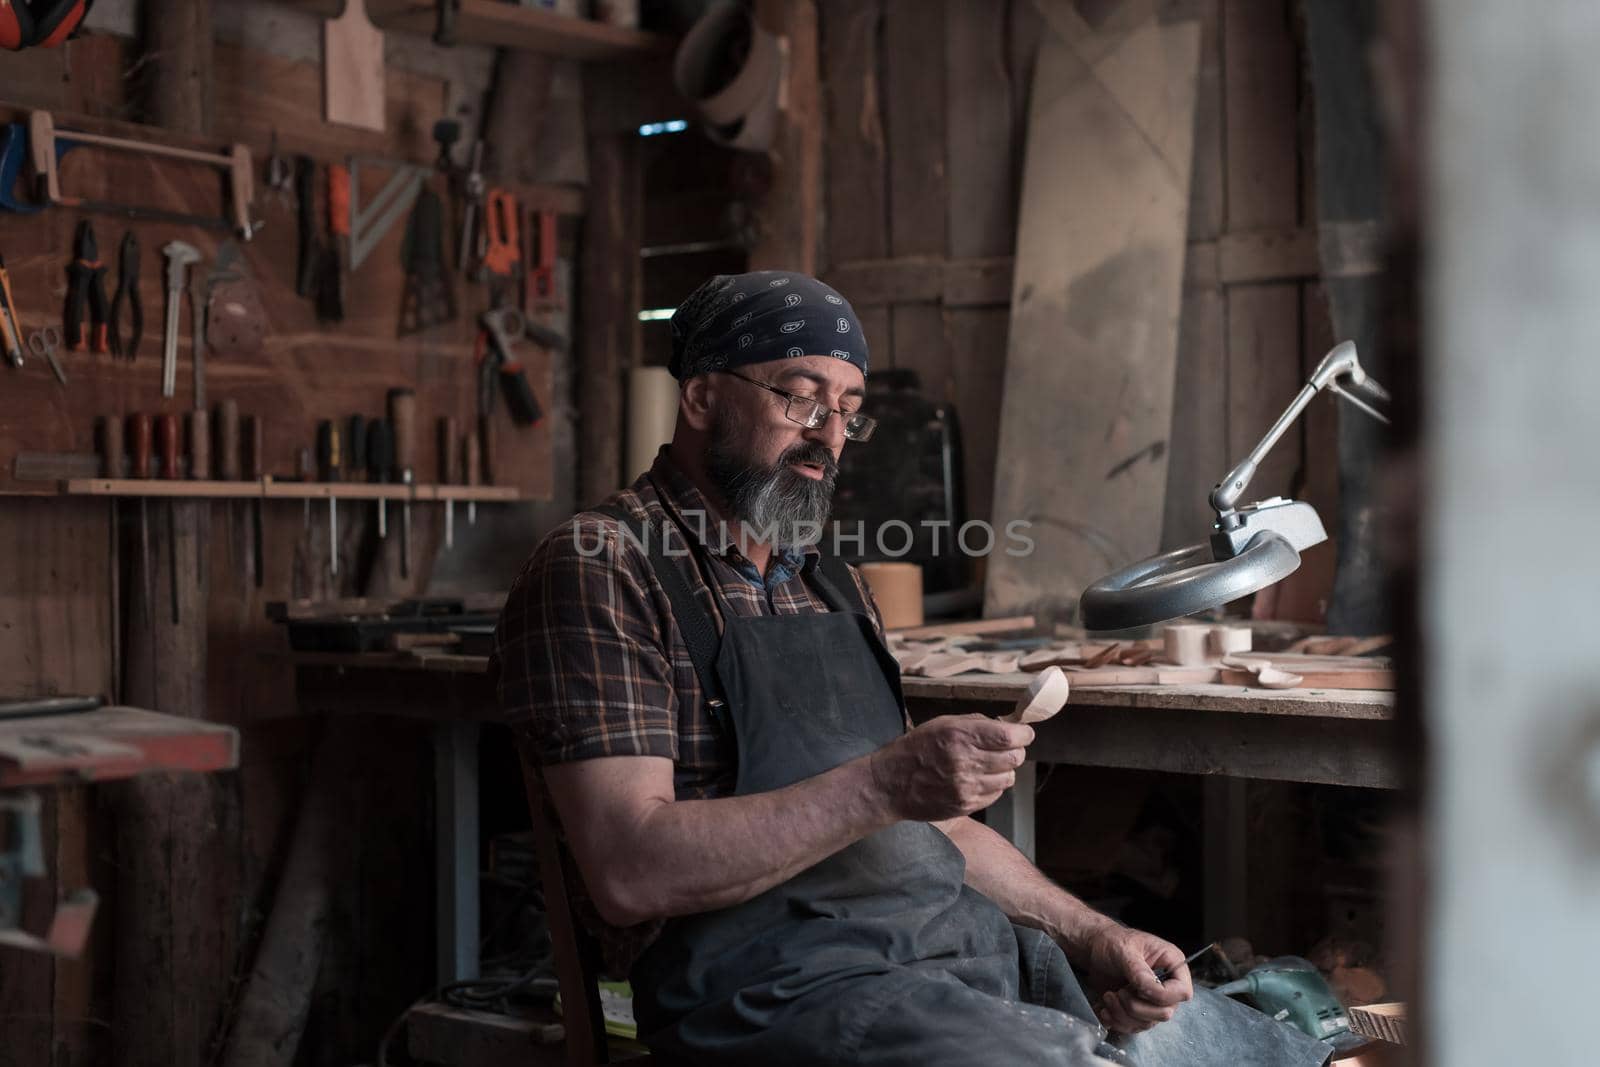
[[590, 661]]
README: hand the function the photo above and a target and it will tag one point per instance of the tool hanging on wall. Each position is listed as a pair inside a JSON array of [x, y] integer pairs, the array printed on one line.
[[505, 327], [255, 465], [40, 23], [86, 290], [330, 466], [236, 320], [280, 174], [502, 255], [179, 258], [540, 288], [330, 264], [139, 467], [469, 252], [403, 422], [10, 322], [127, 290], [380, 459], [352, 69], [369, 224], [45, 342], [449, 463], [428, 299], [167, 448], [45, 144]]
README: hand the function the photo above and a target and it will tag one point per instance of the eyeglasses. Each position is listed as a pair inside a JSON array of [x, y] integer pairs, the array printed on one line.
[[812, 415]]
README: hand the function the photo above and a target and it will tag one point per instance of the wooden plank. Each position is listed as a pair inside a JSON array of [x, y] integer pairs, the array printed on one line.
[[982, 128], [977, 340], [1263, 376], [1094, 329], [920, 345], [1198, 455], [914, 103], [1268, 255], [1006, 689], [961, 283], [1207, 188], [1261, 91], [44, 751], [790, 210], [498, 25], [857, 175], [1013, 624]]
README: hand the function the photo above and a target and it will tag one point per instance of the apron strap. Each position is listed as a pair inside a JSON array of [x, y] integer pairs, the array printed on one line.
[[833, 580], [699, 632]]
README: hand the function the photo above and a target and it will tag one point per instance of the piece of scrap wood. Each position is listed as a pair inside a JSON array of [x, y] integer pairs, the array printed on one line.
[[1386, 1022], [1009, 624], [1047, 694], [948, 664], [1262, 672]]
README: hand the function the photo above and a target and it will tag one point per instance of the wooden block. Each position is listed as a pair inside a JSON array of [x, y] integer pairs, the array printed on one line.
[[1047, 694], [1186, 643], [352, 67], [1386, 1022], [1321, 672]]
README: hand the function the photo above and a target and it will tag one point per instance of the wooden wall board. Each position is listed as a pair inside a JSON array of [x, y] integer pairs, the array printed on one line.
[[1263, 376], [856, 180], [981, 128], [977, 339], [1199, 442], [914, 108], [1206, 188], [1092, 350], [790, 229], [1261, 99]]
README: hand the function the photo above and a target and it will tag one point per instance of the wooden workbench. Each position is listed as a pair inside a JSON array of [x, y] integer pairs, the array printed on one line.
[[1335, 737]]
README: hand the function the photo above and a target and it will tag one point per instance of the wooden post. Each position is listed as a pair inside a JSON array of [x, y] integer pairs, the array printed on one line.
[[176, 909], [609, 290], [178, 57], [790, 212]]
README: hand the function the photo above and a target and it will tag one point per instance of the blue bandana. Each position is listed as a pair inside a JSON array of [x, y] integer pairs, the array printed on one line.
[[737, 319]]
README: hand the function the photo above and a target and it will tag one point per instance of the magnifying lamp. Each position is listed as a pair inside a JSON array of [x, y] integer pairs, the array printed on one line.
[[1252, 546]]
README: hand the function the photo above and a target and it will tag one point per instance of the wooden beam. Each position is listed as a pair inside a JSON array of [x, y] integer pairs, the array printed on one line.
[[789, 229], [957, 283], [179, 85]]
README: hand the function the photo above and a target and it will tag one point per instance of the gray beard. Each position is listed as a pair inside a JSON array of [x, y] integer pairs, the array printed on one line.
[[775, 504]]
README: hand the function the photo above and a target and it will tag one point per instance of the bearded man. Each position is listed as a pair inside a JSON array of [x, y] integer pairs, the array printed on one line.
[[788, 872]]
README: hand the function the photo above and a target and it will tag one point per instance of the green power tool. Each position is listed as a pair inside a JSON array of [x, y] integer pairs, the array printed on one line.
[[1292, 991]]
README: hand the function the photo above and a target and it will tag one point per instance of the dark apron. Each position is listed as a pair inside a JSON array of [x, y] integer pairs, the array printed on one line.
[[878, 955]]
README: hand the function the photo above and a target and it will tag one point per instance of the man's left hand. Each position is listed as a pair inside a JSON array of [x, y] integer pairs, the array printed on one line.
[[1121, 966]]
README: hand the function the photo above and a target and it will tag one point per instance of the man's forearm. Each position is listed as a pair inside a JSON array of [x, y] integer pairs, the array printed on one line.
[[997, 870], [698, 855]]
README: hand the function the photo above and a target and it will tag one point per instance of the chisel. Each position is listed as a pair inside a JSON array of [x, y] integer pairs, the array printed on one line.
[[403, 421], [139, 467], [167, 445], [449, 464], [329, 464], [254, 465]]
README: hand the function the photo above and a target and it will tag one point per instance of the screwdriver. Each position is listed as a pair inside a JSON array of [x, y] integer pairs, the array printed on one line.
[[328, 464], [228, 469], [403, 420], [472, 469], [449, 464], [139, 453], [10, 324], [380, 457], [253, 468], [167, 446]]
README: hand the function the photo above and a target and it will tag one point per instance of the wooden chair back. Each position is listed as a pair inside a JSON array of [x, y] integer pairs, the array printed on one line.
[[576, 954]]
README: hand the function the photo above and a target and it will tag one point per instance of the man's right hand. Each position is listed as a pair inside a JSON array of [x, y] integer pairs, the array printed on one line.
[[950, 766]]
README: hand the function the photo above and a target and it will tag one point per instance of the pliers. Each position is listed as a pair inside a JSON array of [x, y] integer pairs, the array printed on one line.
[[87, 284], [127, 288]]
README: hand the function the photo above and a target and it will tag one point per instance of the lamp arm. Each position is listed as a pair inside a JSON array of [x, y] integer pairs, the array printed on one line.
[[1341, 373]]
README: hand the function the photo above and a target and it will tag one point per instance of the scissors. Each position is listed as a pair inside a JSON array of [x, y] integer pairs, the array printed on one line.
[[43, 343]]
